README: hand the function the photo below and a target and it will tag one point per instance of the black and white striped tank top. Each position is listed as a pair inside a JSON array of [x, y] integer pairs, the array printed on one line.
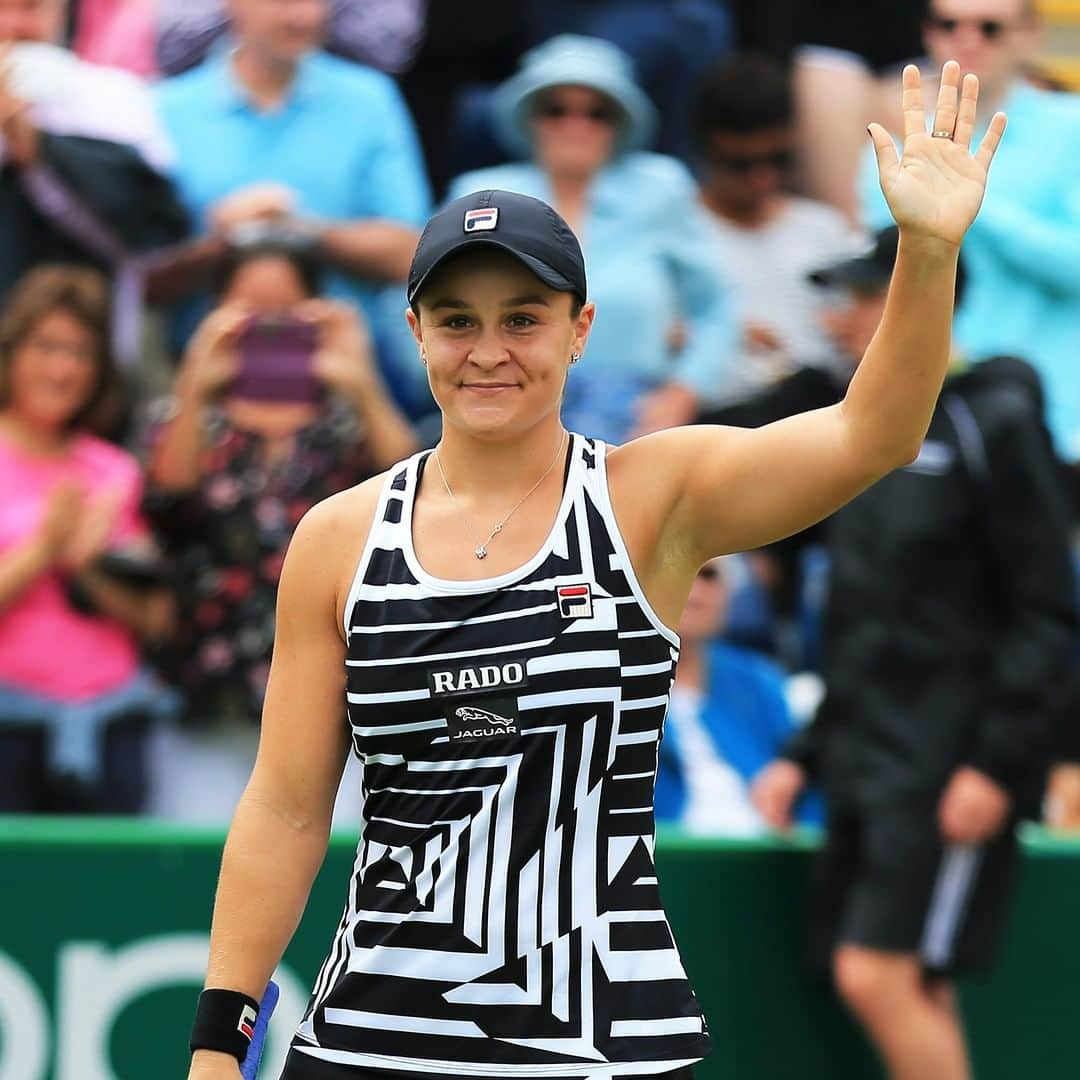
[[503, 917]]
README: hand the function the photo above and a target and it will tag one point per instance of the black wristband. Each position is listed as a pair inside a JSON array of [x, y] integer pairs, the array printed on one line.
[[224, 1021]]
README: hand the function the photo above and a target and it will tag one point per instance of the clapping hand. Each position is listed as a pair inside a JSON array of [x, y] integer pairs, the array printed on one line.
[[76, 527], [93, 530], [60, 519], [936, 188]]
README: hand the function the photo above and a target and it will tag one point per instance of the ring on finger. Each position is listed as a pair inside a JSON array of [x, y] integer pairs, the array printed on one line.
[[942, 134]]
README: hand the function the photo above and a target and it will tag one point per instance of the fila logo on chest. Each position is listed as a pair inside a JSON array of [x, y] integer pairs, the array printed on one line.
[[480, 678], [575, 601]]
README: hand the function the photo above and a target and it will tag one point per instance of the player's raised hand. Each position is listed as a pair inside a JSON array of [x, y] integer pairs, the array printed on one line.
[[935, 189]]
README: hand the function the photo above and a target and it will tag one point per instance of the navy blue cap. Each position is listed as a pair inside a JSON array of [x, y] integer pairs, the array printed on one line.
[[522, 226]]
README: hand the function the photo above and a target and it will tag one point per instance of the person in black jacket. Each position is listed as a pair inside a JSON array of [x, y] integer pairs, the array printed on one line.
[[948, 638]]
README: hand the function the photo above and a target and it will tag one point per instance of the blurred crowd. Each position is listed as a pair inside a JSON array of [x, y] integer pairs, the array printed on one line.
[[208, 212]]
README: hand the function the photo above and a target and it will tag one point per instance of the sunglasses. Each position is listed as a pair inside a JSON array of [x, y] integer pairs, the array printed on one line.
[[780, 160], [598, 114], [991, 29]]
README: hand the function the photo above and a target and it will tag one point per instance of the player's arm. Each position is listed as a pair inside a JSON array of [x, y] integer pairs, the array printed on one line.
[[730, 489], [744, 488], [279, 833]]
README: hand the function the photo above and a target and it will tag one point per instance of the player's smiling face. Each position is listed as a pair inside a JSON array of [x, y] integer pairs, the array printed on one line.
[[497, 341]]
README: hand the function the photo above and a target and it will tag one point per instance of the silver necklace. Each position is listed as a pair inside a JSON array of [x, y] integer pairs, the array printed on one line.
[[481, 550]]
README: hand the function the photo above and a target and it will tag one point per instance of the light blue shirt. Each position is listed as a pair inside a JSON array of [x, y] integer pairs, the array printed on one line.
[[342, 141], [1022, 254], [652, 260]]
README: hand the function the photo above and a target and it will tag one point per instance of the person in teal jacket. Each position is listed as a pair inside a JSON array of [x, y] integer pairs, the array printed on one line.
[[667, 336], [728, 718], [1022, 254]]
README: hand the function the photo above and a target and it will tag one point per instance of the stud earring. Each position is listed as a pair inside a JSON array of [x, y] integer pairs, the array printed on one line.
[[575, 357]]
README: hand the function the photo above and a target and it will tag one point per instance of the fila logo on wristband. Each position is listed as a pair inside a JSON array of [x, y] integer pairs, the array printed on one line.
[[224, 1021], [246, 1026]]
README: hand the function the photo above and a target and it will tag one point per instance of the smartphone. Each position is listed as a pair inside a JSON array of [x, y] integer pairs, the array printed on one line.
[[276, 360]]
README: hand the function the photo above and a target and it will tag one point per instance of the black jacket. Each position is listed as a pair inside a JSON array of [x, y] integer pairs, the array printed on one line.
[[134, 202], [950, 618]]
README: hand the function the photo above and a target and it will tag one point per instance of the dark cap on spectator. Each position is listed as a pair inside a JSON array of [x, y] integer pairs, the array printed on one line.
[[524, 227], [869, 272]]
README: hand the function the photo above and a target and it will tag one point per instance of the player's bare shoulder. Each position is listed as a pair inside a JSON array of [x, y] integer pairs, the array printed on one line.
[[329, 541]]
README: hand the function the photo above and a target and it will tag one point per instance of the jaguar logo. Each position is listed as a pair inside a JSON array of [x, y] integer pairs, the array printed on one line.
[[467, 714], [470, 722]]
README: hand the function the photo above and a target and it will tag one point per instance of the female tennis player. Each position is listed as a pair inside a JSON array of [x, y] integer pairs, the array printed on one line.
[[501, 609]]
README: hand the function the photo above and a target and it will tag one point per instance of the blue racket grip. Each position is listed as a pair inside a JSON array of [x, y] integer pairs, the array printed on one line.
[[266, 1010]]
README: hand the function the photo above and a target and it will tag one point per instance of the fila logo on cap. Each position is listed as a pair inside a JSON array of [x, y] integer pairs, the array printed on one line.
[[575, 601], [481, 220], [247, 1022]]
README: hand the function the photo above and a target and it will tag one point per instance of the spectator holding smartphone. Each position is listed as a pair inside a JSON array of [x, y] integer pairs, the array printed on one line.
[[77, 580], [274, 129], [277, 404]]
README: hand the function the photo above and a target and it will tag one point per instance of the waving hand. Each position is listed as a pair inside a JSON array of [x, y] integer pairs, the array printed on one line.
[[936, 188]]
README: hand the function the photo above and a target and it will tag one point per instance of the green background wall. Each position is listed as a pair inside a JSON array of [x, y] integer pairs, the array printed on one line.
[[76, 896]]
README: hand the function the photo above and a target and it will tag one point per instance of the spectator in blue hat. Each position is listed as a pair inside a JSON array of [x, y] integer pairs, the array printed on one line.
[[661, 351]]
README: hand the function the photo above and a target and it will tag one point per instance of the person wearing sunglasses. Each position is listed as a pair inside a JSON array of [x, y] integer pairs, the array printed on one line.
[[663, 349], [1023, 254], [744, 127]]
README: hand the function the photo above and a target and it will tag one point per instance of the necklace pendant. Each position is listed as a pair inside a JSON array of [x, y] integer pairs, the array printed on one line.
[[481, 552]]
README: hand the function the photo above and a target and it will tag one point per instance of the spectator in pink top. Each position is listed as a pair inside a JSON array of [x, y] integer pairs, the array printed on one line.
[[78, 588]]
